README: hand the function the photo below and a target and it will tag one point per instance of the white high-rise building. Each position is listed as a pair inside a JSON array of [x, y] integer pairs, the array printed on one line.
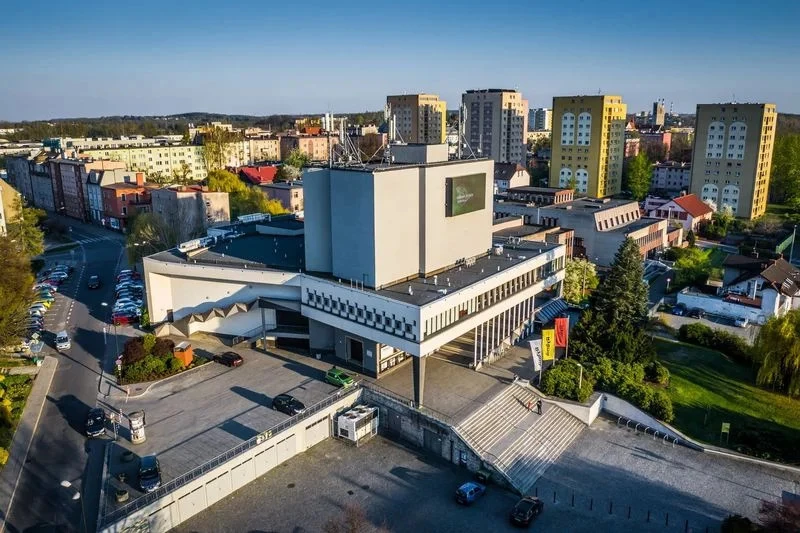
[[497, 124]]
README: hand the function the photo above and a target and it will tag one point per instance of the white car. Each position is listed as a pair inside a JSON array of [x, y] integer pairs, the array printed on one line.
[[128, 301], [58, 275], [741, 322], [62, 341], [38, 307]]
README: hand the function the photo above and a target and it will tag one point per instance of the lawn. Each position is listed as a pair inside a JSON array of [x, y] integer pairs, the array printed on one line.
[[707, 389], [15, 391]]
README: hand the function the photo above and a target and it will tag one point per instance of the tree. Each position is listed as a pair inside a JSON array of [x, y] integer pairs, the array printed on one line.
[[580, 276], [655, 151], [680, 149], [297, 158], [563, 379], [15, 291], [288, 173], [638, 174], [243, 199], [573, 183], [691, 239], [693, 267], [777, 352], [25, 230], [217, 147], [182, 175], [150, 234], [784, 185]]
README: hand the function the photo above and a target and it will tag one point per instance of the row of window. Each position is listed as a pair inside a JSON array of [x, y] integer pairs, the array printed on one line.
[[359, 313]]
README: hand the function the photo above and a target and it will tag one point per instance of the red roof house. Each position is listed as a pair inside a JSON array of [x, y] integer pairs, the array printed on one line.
[[688, 209], [259, 175]]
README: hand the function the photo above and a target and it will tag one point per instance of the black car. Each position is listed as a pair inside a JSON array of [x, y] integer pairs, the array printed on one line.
[[94, 282], [288, 404], [526, 511], [96, 422], [696, 312], [149, 473], [229, 359]]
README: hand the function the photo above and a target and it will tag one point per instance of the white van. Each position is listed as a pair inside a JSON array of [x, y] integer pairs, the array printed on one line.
[[62, 341]]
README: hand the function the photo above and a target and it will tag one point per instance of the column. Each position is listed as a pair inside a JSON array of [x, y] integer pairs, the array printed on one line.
[[419, 379], [475, 347], [264, 328]]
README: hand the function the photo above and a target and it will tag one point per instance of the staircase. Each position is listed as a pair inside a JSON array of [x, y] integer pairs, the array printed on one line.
[[519, 443]]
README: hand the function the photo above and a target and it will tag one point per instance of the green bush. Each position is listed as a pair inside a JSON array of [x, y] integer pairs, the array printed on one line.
[[562, 380], [661, 406], [637, 393], [656, 372], [164, 348], [133, 351], [731, 345], [144, 320], [3, 456], [737, 524], [148, 342], [154, 366], [174, 364]]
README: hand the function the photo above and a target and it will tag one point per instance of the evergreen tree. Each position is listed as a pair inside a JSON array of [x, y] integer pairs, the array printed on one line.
[[622, 296]]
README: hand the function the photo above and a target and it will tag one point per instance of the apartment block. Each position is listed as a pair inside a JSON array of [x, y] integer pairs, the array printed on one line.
[[318, 148], [190, 210], [540, 119], [264, 149], [732, 156], [496, 126], [588, 144], [420, 118], [152, 160]]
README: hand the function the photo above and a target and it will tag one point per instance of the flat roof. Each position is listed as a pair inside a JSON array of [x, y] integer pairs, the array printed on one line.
[[540, 190], [283, 185], [284, 252], [425, 292], [518, 231], [382, 167], [588, 205], [636, 225]]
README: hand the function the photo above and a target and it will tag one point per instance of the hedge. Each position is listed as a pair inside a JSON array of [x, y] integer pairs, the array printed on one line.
[[731, 345]]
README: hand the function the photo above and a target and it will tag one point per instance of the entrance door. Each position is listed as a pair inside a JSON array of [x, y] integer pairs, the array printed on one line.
[[355, 350], [432, 441]]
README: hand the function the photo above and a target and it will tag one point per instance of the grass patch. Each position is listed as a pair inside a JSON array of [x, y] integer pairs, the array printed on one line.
[[779, 209], [11, 362], [15, 391], [707, 388]]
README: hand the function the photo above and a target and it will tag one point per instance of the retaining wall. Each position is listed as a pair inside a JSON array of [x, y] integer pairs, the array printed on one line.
[[201, 493]]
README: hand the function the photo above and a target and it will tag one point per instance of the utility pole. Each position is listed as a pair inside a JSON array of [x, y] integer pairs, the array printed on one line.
[[791, 250]]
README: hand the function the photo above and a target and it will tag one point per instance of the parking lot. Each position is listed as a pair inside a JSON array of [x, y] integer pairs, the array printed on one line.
[[196, 416], [748, 333]]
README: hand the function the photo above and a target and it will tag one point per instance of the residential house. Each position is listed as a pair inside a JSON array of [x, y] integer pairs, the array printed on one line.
[[753, 288], [671, 176], [317, 148], [70, 179], [122, 200], [688, 210], [94, 194], [508, 175], [259, 174], [190, 210], [289, 193]]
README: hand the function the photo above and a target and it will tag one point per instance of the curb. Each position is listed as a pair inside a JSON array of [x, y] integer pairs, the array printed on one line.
[[10, 475], [153, 384], [102, 504]]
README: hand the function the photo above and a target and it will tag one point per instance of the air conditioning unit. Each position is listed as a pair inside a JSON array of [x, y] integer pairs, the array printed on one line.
[[358, 425]]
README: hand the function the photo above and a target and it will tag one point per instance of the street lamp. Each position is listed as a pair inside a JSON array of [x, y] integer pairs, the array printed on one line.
[[116, 339], [668, 280], [580, 377], [791, 250]]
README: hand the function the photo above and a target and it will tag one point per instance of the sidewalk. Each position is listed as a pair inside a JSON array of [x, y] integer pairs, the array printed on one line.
[[23, 437]]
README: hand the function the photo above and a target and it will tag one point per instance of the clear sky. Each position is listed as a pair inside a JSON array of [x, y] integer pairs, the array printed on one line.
[[102, 57]]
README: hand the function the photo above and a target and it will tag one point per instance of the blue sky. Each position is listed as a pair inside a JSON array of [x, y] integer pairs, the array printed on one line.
[[95, 58]]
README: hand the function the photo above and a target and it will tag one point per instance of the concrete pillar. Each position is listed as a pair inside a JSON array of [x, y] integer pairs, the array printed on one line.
[[264, 328], [475, 347], [419, 379]]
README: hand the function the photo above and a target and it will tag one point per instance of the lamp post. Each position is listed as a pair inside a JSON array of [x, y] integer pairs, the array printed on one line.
[[791, 250], [668, 280], [116, 340], [580, 377]]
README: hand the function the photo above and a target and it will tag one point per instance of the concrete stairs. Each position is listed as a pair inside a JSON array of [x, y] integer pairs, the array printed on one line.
[[519, 443]]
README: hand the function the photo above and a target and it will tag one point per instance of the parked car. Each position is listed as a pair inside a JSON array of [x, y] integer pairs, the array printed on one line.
[[741, 322], [62, 341], [58, 274], [94, 282], [288, 404], [469, 492], [44, 293], [47, 303], [149, 473], [123, 318], [338, 377], [96, 422], [696, 312], [128, 309], [46, 286], [127, 275], [57, 282], [121, 302], [67, 269], [679, 310], [526, 510], [231, 359], [38, 307]]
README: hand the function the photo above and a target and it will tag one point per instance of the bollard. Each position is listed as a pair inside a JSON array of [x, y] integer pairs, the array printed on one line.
[[536, 492], [686, 526], [554, 496], [573, 499], [610, 507], [648, 515], [666, 521], [629, 512], [591, 503]]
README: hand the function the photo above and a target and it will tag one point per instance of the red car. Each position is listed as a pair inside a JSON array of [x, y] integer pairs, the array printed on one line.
[[123, 319]]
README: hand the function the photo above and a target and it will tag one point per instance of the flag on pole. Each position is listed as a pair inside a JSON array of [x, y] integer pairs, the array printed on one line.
[[548, 345], [536, 354], [562, 331]]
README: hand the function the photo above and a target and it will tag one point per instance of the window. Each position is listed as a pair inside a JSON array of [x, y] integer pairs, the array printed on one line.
[[124, 211]]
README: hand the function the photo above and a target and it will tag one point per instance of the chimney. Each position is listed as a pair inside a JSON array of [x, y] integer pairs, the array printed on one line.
[[140, 179]]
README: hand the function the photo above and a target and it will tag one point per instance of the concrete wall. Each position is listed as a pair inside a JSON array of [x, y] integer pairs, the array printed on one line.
[[715, 305], [619, 407], [370, 359], [353, 226], [196, 496], [317, 214], [586, 413], [320, 336]]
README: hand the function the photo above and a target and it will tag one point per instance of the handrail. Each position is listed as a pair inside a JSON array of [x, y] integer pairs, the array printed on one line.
[[180, 481]]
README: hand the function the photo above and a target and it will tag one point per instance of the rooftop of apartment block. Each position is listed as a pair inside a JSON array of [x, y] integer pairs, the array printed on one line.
[[295, 184], [589, 206], [471, 91]]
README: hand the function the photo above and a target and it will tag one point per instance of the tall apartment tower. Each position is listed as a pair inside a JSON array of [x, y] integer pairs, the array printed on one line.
[[420, 118], [658, 113], [540, 119], [497, 124], [733, 155], [588, 144]]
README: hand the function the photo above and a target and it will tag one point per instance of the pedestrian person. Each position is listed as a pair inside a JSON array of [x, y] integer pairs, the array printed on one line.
[[529, 405], [539, 406]]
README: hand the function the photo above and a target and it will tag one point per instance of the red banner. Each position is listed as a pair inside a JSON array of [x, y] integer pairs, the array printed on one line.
[[562, 331]]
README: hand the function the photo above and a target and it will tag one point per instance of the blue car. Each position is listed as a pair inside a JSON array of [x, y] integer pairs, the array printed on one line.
[[679, 310], [469, 492]]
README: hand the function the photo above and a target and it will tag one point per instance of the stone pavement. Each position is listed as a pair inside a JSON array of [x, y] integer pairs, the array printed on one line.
[[26, 429]]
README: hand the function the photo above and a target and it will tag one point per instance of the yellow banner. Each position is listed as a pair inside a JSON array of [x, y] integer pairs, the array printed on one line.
[[548, 344]]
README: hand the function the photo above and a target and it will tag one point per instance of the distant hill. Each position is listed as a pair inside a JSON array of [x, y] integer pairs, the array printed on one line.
[[788, 123]]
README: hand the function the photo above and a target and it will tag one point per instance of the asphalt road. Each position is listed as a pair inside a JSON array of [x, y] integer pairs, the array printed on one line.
[[60, 452]]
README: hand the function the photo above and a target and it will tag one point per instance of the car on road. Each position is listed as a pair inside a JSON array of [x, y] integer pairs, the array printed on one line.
[[679, 310], [149, 473], [526, 510], [469, 492], [96, 422], [337, 376], [62, 341], [231, 359], [288, 404], [696, 312], [94, 282], [741, 322]]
